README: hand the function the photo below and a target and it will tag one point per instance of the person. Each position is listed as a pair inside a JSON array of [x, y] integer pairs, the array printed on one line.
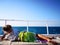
[[8, 33]]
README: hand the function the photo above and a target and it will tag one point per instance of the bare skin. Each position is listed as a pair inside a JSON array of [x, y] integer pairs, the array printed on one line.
[[46, 38], [2, 38]]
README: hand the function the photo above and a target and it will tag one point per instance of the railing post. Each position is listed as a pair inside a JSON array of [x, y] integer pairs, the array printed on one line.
[[47, 28], [5, 21], [27, 25]]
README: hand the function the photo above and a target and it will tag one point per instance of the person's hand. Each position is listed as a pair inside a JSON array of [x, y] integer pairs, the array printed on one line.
[[53, 42]]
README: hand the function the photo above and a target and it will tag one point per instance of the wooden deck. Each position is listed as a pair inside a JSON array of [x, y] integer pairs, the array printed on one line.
[[27, 43], [23, 43]]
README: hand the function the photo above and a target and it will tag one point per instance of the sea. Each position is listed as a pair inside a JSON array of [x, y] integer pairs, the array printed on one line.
[[36, 29]]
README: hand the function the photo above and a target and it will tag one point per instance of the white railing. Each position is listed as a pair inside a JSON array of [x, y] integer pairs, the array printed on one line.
[[29, 23]]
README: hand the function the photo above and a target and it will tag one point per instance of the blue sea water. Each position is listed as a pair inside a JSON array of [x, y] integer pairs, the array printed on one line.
[[36, 29]]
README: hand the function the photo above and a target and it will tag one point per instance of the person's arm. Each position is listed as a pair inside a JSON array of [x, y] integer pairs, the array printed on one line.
[[43, 37], [46, 38], [3, 37]]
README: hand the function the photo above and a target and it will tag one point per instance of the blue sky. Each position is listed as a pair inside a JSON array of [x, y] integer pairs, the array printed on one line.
[[30, 9]]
